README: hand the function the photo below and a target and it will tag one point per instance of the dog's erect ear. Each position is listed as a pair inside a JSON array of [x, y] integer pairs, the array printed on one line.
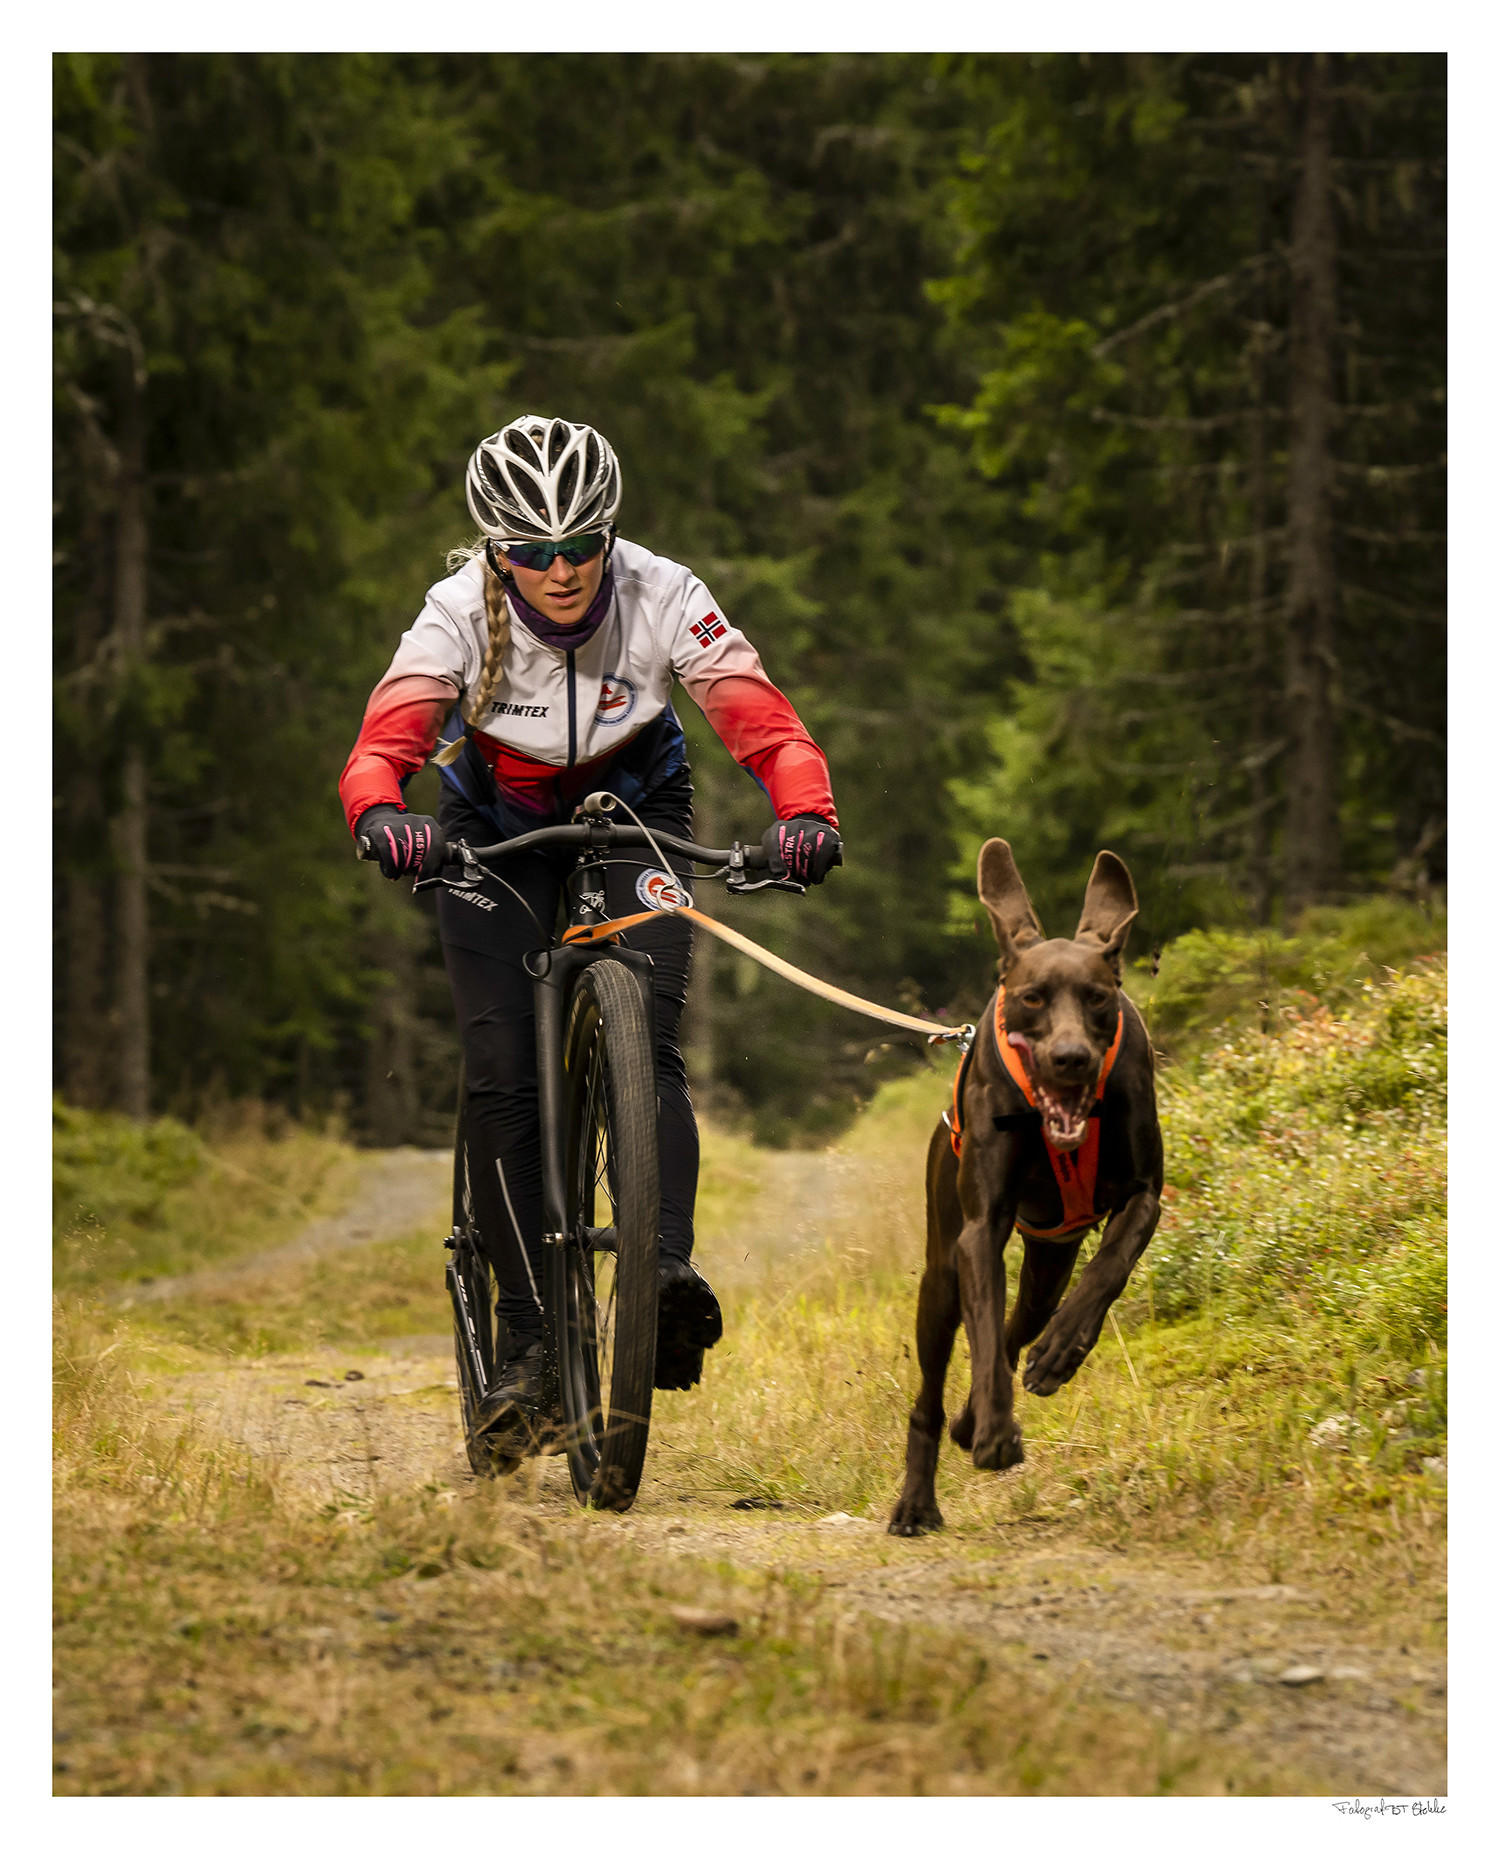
[[1006, 902], [1109, 908]]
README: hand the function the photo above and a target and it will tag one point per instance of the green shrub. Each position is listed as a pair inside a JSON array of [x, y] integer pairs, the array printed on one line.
[[1209, 980], [150, 1199], [1306, 1169], [113, 1171]]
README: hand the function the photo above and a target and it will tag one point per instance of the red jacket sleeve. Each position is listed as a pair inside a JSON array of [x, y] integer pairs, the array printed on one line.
[[761, 730], [402, 722]]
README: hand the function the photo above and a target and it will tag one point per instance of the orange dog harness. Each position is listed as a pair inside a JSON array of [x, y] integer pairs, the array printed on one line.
[[1075, 1170]]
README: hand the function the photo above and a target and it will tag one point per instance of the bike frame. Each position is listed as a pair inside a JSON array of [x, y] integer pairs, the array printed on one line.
[[553, 972]]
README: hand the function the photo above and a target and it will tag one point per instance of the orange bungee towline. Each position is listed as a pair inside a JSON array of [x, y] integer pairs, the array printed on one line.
[[1075, 1170]]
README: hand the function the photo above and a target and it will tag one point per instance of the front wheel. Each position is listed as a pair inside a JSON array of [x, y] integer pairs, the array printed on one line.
[[605, 1272]]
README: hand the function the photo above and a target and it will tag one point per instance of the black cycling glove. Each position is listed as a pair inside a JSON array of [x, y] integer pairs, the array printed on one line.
[[803, 847], [402, 843]]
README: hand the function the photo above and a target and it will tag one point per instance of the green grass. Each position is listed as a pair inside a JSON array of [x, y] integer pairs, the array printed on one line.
[[133, 1201], [357, 1298]]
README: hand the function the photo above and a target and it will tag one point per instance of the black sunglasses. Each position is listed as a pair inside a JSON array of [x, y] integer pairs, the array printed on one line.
[[538, 555]]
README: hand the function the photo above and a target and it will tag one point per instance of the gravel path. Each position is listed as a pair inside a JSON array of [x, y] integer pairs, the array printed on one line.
[[398, 1190]]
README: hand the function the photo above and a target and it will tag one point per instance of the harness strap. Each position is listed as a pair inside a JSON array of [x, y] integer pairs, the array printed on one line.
[[1076, 1171]]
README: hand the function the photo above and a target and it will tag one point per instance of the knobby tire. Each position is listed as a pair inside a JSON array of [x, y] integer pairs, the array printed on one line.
[[603, 1283]]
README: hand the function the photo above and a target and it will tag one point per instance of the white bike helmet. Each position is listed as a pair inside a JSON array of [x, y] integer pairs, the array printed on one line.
[[543, 478]]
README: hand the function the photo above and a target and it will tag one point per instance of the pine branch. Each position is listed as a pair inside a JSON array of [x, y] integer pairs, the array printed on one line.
[[1172, 311], [1398, 728], [1164, 621], [110, 326], [1152, 715], [1372, 536], [1223, 421], [1188, 677], [1226, 465], [1392, 471], [1394, 408], [1413, 613], [1185, 548]]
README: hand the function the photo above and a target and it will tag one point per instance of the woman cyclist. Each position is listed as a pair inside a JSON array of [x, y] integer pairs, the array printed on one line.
[[545, 663]]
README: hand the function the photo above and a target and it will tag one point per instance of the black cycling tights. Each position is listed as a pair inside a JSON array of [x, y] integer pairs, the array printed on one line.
[[493, 1000]]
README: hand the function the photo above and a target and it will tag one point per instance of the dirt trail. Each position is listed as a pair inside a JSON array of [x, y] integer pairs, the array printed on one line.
[[1267, 1669], [398, 1190]]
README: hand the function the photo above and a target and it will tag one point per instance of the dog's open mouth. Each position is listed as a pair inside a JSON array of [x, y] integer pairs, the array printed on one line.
[[1064, 1108], [1065, 1113]]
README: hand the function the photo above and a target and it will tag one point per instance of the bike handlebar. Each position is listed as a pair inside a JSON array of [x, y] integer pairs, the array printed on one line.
[[605, 834], [596, 830]]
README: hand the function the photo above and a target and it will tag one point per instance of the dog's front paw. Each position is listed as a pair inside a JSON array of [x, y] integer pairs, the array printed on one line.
[[1055, 1359], [916, 1514], [961, 1431], [1002, 1452]]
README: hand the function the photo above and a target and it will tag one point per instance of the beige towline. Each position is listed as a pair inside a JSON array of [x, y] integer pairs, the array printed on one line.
[[935, 1030]]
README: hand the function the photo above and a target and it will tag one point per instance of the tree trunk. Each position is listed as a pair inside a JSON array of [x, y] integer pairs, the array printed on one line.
[[1311, 840], [1259, 780], [392, 1094], [130, 825], [83, 851], [84, 1020]]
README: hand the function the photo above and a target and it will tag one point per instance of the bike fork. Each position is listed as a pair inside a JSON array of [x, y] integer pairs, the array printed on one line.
[[552, 973]]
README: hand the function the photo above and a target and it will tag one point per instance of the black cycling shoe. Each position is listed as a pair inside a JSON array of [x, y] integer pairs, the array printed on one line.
[[517, 1415], [688, 1320]]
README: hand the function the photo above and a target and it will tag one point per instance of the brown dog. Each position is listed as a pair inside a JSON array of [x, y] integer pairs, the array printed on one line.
[[1058, 1118]]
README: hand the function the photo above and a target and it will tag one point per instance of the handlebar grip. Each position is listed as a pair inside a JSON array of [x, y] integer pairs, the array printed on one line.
[[364, 848]]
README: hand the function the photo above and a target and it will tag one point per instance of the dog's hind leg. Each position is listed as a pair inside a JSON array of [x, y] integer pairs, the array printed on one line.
[[938, 1317], [1045, 1269]]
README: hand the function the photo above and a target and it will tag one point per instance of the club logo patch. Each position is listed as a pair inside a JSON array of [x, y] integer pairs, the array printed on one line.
[[658, 893], [616, 700]]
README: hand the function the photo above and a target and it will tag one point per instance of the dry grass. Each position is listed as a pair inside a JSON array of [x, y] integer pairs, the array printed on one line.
[[216, 1636]]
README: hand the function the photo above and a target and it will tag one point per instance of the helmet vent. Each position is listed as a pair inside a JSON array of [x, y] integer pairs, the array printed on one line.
[[543, 478]]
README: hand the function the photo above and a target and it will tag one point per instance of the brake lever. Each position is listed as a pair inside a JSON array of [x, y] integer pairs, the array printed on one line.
[[732, 884], [472, 873], [735, 880]]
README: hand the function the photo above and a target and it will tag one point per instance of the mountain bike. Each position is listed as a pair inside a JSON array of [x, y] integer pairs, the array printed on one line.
[[596, 1083]]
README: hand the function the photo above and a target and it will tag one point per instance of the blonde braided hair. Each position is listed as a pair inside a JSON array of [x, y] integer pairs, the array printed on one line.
[[497, 619]]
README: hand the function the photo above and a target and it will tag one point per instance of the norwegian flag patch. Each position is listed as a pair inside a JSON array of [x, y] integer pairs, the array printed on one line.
[[709, 630]]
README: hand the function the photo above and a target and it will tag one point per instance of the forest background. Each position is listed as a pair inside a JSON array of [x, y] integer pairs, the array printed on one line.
[[1067, 432]]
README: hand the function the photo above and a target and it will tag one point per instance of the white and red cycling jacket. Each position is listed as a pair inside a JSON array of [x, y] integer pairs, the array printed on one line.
[[563, 722]]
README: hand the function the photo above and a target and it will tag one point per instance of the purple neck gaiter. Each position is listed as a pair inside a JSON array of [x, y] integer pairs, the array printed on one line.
[[566, 636]]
